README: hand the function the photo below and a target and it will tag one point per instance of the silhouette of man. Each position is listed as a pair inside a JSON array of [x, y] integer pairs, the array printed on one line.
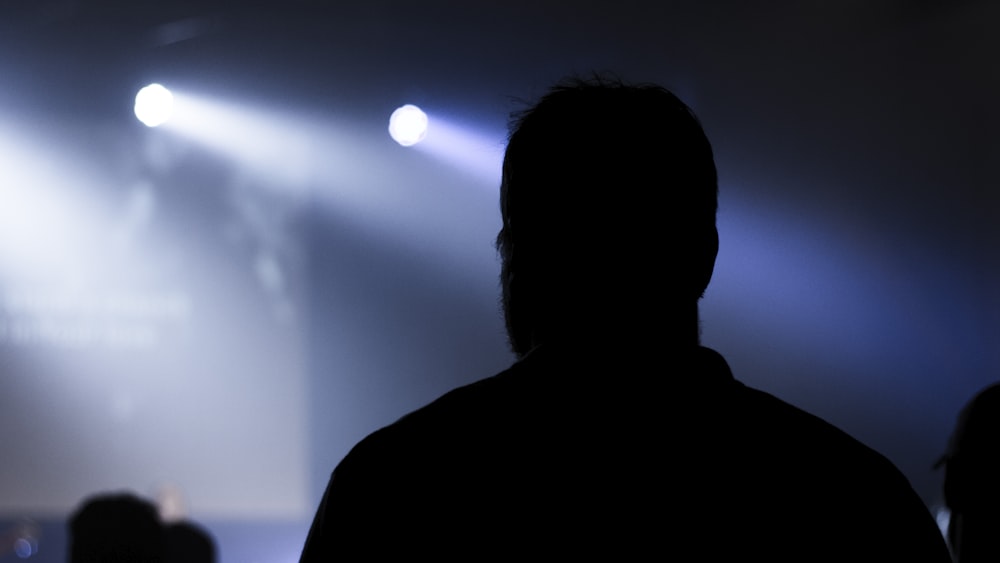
[[614, 433], [972, 480]]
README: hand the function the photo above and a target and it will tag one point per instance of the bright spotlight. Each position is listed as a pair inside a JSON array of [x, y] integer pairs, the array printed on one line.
[[408, 125], [153, 104]]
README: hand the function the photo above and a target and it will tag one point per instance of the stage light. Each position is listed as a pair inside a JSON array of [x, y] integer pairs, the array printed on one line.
[[408, 125], [153, 105]]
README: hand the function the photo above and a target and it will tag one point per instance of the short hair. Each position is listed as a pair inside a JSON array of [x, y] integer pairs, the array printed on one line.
[[607, 188]]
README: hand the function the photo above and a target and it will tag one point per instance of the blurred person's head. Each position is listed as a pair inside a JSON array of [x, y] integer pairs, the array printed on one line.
[[187, 542], [116, 527], [972, 480]]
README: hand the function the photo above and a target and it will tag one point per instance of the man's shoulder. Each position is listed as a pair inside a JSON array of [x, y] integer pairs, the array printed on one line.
[[807, 466], [779, 417], [474, 407], [780, 427], [799, 440], [544, 390]]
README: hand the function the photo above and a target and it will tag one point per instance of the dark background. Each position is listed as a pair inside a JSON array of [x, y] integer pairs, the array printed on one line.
[[856, 144]]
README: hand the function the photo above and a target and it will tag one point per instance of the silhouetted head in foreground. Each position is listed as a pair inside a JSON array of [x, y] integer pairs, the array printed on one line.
[[118, 527], [608, 198], [972, 480]]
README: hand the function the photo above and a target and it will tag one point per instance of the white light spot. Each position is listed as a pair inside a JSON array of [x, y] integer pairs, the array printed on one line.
[[153, 105], [408, 125]]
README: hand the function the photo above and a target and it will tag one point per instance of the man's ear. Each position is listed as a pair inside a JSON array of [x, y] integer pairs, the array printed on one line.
[[706, 260]]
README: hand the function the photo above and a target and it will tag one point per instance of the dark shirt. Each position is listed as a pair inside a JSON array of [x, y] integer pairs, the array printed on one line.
[[663, 458]]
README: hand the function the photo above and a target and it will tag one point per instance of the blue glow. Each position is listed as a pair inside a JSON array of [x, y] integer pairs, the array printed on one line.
[[467, 150], [24, 548], [274, 148]]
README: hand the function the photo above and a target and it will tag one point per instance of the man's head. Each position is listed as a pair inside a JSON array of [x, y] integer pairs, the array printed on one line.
[[608, 198]]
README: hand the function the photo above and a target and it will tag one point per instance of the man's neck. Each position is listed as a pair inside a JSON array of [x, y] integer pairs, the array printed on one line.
[[654, 335]]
